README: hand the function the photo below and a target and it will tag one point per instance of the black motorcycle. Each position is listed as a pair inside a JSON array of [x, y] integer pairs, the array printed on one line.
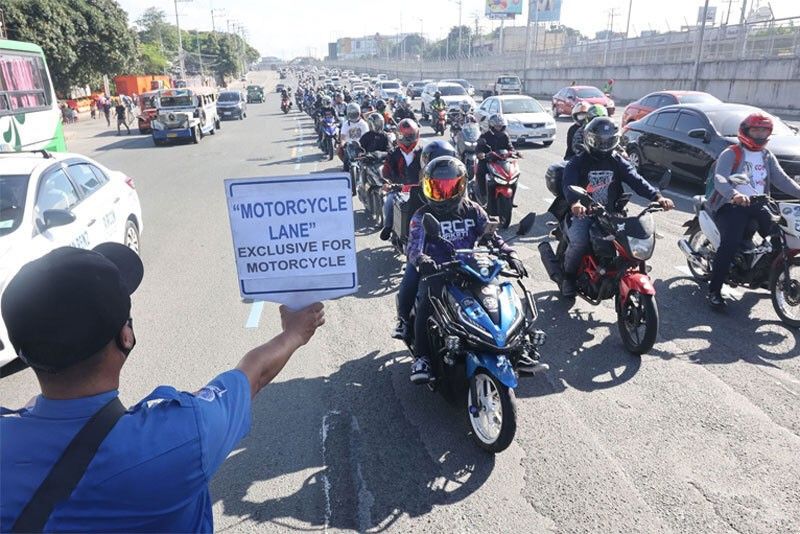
[[370, 184]]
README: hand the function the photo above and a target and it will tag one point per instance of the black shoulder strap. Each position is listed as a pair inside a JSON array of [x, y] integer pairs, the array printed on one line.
[[69, 469]]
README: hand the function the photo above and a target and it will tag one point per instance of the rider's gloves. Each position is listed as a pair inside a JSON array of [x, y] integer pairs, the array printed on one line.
[[518, 266], [427, 266]]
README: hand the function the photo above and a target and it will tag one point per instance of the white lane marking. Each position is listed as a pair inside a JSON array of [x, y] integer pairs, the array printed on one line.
[[523, 186], [734, 292], [255, 314], [548, 200], [683, 269], [365, 497], [326, 484]]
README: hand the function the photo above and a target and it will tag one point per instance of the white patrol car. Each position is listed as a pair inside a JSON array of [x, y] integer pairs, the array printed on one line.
[[50, 200]]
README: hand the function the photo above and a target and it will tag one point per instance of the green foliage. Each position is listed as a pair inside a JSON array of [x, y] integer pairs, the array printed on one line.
[[151, 59], [82, 39]]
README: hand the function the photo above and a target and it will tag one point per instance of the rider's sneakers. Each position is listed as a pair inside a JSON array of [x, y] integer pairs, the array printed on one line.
[[386, 233], [401, 330], [420, 371], [528, 365], [568, 287], [716, 300]]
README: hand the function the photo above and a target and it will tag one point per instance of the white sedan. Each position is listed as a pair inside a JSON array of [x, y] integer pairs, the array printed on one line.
[[527, 119], [55, 200]]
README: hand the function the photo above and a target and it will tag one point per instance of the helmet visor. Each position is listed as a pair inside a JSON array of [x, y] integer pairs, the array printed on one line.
[[438, 189], [602, 143]]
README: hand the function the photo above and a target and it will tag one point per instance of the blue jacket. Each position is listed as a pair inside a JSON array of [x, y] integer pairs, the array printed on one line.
[[463, 227]]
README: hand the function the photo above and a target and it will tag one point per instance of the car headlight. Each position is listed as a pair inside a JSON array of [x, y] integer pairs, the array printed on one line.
[[642, 249], [515, 123]]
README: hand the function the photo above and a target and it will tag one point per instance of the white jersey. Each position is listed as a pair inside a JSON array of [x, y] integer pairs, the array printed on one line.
[[352, 131], [755, 168]]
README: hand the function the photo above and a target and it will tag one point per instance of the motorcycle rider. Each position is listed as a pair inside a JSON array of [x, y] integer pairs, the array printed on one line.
[[375, 140], [353, 127], [496, 138], [443, 183], [730, 204], [383, 109], [404, 110], [582, 114], [402, 166], [339, 104], [325, 108], [601, 171], [437, 104]]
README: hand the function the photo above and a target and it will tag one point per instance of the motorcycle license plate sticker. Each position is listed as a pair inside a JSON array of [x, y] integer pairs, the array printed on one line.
[[293, 237]]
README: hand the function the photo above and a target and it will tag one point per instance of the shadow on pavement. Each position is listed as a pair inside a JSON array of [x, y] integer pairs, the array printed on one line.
[[364, 464], [575, 359], [305, 158], [129, 142], [697, 322], [379, 272]]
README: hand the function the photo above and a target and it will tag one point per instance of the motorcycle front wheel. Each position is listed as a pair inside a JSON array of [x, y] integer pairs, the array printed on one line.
[[493, 417], [638, 322], [786, 293], [700, 243], [330, 149]]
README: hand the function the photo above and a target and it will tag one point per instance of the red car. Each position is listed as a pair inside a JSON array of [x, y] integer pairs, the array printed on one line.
[[565, 99], [643, 106]]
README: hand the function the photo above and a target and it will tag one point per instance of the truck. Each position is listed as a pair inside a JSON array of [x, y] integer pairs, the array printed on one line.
[[130, 83], [505, 84]]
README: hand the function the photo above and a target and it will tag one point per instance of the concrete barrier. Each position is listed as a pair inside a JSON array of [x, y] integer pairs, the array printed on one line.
[[771, 84]]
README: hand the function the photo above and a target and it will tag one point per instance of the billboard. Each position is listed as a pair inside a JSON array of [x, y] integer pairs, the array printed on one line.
[[711, 15], [503, 9], [544, 10]]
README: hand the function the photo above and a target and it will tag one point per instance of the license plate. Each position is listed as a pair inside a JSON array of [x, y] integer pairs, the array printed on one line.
[[226, 112], [172, 135]]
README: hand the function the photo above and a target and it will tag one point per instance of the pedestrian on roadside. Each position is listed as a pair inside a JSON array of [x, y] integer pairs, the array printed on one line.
[[608, 88], [93, 108], [107, 110], [75, 459], [122, 116]]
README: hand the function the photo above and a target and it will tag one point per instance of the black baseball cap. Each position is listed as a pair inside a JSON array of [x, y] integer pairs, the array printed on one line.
[[67, 305]]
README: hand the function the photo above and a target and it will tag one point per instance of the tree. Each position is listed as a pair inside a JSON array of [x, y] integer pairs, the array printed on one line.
[[81, 39], [151, 59]]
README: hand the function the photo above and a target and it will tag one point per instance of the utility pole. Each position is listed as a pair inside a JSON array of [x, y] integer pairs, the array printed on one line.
[[458, 63], [200, 58], [526, 63], [214, 14], [611, 13], [627, 32], [180, 40], [743, 17], [699, 48]]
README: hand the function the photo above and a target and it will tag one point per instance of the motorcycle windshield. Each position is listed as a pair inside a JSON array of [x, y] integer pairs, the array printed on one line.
[[636, 227], [471, 133]]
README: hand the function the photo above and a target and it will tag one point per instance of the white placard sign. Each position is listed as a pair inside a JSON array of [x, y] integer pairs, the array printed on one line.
[[293, 237]]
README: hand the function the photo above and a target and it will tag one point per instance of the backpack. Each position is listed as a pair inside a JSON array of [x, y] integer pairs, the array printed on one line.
[[737, 160]]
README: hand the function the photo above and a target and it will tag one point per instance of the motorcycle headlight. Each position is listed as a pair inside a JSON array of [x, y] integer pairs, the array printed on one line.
[[642, 249], [455, 306]]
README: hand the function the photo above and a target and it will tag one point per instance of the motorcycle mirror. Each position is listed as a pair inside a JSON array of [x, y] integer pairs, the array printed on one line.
[[526, 224], [738, 179], [431, 225], [666, 178]]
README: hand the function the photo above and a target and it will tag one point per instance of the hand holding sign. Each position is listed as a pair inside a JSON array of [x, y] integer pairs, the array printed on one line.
[[294, 237]]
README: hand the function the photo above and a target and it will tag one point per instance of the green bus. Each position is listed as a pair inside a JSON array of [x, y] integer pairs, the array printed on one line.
[[29, 115]]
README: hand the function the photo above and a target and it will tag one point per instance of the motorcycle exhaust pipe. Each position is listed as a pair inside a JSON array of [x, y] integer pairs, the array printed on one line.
[[690, 254], [550, 262]]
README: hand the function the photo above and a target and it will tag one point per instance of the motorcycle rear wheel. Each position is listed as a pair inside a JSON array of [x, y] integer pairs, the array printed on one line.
[[639, 311], [697, 241], [495, 422], [786, 300]]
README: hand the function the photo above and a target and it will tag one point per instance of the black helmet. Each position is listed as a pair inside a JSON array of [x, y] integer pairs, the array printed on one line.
[[444, 183], [553, 177], [380, 105], [435, 149], [600, 136], [437, 94]]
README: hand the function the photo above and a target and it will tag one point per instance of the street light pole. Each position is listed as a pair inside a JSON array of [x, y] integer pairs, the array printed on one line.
[[458, 63], [627, 31], [699, 49], [180, 41]]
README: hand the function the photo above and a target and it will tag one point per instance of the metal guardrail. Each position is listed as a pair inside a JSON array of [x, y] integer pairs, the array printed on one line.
[[778, 38]]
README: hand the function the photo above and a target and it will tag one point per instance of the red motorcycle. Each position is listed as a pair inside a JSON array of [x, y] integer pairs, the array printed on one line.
[[440, 122], [615, 267], [501, 184], [286, 105]]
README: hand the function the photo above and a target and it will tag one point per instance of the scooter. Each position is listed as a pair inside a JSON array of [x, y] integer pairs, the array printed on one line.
[[286, 105], [352, 153], [440, 122], [616, 266], [501, 181], [774, 264], [466, 143], [479, 329]]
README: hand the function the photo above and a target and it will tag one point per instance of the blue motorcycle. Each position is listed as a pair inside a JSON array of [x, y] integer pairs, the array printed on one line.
[[330, 131], [479, 329]]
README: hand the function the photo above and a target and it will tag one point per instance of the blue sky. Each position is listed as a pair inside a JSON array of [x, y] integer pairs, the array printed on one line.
[[291, 28]]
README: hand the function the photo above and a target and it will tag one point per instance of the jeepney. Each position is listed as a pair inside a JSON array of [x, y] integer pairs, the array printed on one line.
[[255, 93], [185, 113]]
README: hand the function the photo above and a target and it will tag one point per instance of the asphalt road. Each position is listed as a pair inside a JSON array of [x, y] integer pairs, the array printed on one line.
[[700, 435]]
